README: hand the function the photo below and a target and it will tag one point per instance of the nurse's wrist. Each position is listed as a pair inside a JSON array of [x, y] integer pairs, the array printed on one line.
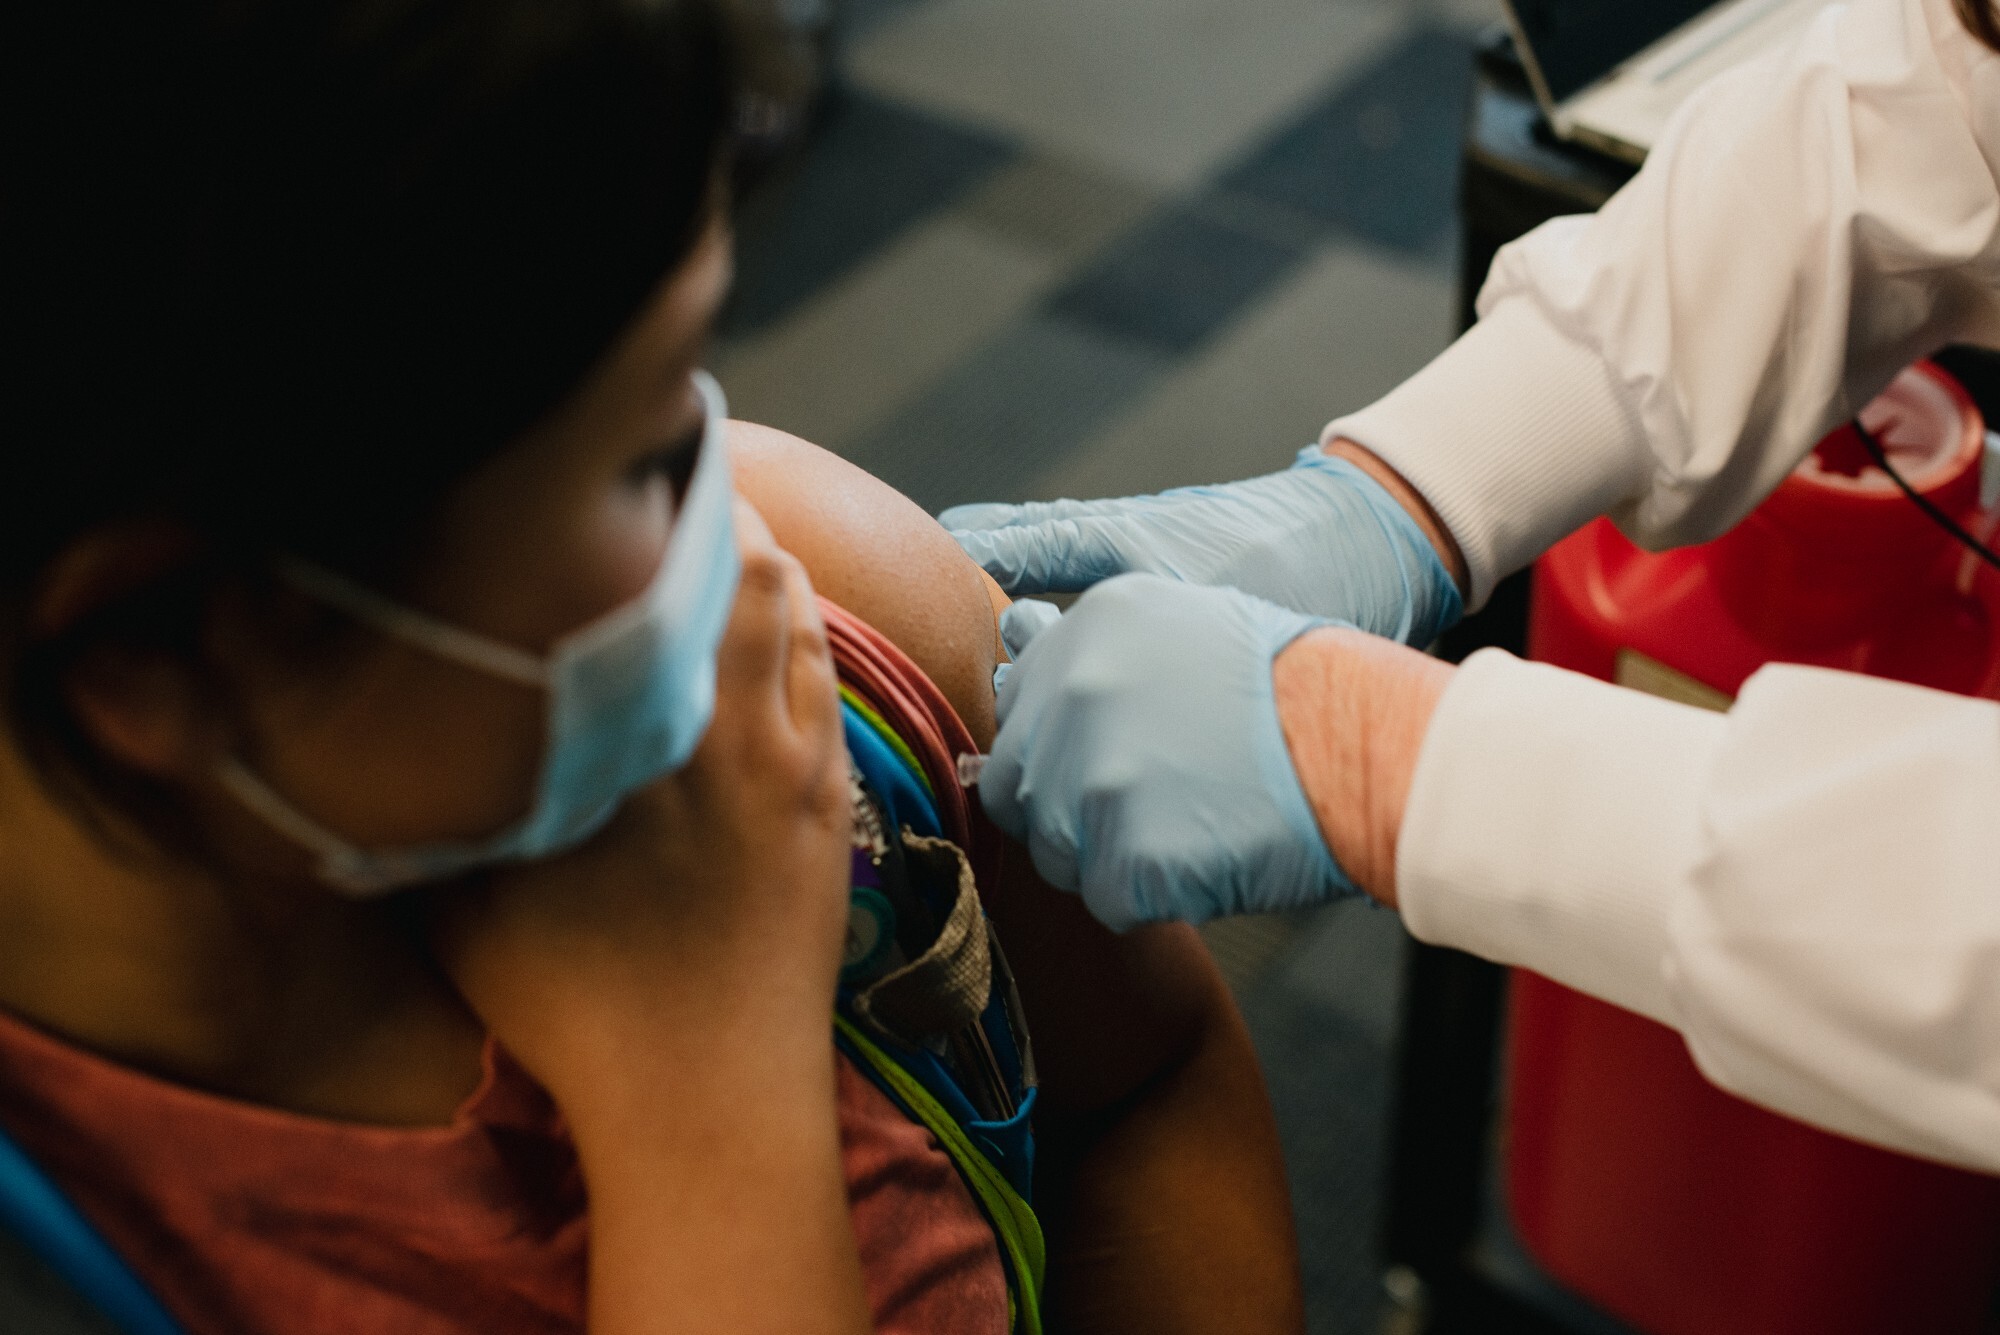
[[1354, 709], [1410, 499]]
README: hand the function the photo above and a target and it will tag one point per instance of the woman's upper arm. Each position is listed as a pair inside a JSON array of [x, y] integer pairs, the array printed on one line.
[[870, 549], [1109, 1012]]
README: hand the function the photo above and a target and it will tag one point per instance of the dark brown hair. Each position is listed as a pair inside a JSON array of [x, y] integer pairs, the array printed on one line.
[[281, 272], [1979, 17]]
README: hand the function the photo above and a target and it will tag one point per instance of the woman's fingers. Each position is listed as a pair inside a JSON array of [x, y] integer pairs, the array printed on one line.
[[810, 694], [776, 652], [750, 662]]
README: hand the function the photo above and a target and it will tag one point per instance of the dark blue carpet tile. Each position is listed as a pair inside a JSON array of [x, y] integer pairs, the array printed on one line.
[[1378, 156], [987, 429], [870, 169], [1173, 280]]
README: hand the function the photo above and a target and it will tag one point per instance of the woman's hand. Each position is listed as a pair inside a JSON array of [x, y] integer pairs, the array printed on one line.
[[722, 886], [671, 983]]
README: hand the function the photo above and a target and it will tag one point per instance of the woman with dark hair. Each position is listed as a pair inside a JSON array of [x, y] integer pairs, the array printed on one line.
[[1803, 888], [369, 527]]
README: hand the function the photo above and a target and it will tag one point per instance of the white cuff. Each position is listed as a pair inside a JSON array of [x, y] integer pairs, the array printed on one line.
[[1515, 434], [1552, 824]]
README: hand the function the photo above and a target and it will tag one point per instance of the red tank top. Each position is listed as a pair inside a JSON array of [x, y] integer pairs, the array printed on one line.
[[247, 1220]]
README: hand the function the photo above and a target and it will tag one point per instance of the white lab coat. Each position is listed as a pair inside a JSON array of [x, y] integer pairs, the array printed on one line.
[[1807, 888]]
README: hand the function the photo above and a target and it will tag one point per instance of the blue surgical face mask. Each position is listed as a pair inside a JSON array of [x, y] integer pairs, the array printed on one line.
[[629, 695]]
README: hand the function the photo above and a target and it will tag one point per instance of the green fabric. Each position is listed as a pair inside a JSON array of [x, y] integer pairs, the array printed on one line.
[[1013, 1219], [889, 735]]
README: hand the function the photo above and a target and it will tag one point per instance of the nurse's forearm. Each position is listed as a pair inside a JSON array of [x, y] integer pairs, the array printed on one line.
[[1410, 499], [1354, 710]]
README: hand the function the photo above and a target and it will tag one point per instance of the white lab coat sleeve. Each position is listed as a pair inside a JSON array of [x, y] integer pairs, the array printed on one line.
[[1807, 888], [1808, 224]]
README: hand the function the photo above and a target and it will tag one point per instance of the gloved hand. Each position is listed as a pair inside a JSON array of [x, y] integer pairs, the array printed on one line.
[[1141, 760], [1322, 537]]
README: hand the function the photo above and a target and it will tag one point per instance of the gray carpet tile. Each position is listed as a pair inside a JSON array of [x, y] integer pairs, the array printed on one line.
[[1175, 279], [1349, 958], [1058, 207], [1322, 1012], [1377, 156], [1330, 1089], [998, 419], [1244, 948], [859, 18], [870, 170]]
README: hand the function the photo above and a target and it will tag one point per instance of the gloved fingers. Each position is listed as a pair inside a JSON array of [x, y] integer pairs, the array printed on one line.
[[1055, 862], [1106, 888], [1058, 556], [1002, 778], [1022, 622], [1000, 789], [998, 514], [1019, 746], [980, 515], [1107, 904]]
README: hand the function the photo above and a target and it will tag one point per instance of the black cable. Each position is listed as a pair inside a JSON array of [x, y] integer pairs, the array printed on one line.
[[1924, 503]]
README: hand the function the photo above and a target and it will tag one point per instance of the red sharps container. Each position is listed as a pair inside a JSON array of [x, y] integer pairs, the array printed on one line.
[[1635, 1183]]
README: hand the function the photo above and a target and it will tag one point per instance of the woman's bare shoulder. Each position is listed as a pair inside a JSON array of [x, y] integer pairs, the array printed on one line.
[[873, 551], [1109, 1012]]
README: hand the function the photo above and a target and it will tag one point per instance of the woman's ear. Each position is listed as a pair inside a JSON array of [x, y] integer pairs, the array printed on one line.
[[138, 703]]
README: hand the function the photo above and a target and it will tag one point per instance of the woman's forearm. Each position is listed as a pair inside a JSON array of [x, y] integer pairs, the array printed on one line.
[[670, 984], [717, 1202], [1172, 1215], [1355, 709]]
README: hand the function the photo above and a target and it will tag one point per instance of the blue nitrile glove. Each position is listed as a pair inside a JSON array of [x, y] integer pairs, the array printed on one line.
[[1019, 624], [1141, 760], [1322, 537]]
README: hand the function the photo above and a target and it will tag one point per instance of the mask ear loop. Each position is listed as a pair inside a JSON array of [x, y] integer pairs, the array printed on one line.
[[335, 857], [413, 627], [340, 863], [258, 796]]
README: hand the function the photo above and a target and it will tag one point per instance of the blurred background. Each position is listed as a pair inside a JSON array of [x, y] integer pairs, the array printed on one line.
[[1041, 248]]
